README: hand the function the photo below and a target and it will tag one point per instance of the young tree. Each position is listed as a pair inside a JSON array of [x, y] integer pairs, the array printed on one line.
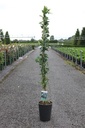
[[7, 38], [77, 37], [42, 59], [82, 38]]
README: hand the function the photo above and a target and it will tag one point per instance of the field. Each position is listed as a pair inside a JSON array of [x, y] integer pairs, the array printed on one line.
[[76, 54], [10, 53]]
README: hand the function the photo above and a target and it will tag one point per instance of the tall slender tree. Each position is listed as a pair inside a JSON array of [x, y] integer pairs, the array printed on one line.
[[1, 36], [77, 37], [42, 59], [7, 38], [52, 38], [82, 37]]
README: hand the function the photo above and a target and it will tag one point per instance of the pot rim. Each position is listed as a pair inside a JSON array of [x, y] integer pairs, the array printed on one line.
[[47, 103]]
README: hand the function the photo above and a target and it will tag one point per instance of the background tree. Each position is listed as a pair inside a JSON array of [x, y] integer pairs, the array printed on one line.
[[7, 38], [1, 36], [51, 38], [76, 37], [82, 37], [32, 39], [15, 41]]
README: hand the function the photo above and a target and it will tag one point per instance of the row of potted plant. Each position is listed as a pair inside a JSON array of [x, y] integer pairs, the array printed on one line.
[[10, 53], [76, 56]]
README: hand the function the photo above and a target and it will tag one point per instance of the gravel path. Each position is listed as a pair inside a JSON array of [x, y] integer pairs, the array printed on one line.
[[20, 94]]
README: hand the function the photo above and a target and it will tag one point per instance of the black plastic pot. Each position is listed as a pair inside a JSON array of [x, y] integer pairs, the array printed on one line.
[[83, 64], [45, 111]]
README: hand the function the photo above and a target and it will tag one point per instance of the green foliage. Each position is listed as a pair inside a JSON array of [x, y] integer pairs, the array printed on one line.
[[82, 38], [2, 36], [53, 41], [13, 52], [42, 59], [1, 58], [7, 38], [77, 37], [72, 51], [52, 38]]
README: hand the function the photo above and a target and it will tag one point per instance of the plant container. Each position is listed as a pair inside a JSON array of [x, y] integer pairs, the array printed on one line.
[[45, 111]]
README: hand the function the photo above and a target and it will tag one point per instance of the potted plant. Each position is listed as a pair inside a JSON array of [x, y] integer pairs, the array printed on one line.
[[45, 106]]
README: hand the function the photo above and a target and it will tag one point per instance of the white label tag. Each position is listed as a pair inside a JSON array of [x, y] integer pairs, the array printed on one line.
[[44, 95]]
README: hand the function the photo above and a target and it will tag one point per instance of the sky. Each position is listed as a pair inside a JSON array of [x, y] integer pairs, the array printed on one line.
[[21, 17]]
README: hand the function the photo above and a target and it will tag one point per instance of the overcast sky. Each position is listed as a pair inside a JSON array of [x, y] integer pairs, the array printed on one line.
[[21, 17]]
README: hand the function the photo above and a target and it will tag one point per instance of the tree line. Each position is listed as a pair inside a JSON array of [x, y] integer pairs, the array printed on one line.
[[79, 39], [5, 39]]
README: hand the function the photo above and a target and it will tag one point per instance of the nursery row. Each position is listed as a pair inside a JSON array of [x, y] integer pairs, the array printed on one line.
[[75, 54], [10, 53]]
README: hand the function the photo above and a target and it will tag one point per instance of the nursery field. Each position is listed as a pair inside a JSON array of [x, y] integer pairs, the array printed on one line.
[[10, 53], [76, 54], [73, 51]]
